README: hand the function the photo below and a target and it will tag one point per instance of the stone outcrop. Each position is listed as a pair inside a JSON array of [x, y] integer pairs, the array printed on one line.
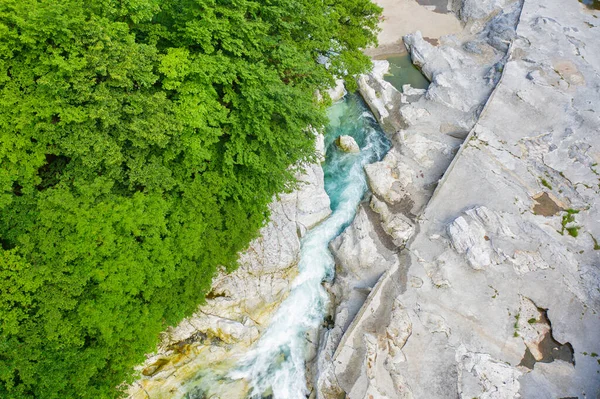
[[427, 128], [401, 17], [347, 144], [381, 96], [352, 355], [337, 92], [496, 295], [242, 302]]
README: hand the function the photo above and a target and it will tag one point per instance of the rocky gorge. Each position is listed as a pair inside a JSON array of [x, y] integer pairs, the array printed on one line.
[[473, 268]]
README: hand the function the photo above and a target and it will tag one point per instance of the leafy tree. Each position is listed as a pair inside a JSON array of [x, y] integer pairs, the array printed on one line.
[[140, 144]]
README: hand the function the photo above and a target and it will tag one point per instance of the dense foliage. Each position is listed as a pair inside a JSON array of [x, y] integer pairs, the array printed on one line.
[[140, 144]]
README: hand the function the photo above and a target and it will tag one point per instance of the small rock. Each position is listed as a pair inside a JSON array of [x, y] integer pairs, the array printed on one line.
[[416, 282], [347, 144]]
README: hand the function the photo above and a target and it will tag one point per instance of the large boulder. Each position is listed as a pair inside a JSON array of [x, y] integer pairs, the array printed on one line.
[[381, 97], [338, 91], [347, 144]]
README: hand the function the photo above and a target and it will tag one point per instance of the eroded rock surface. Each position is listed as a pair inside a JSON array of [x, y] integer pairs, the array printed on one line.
[[428, 127], [498, 292], [347, 144], [483, 284]]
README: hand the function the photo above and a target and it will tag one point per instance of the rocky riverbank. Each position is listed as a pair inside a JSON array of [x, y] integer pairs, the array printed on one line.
[[473, 269], [497, 293], [241, 303]]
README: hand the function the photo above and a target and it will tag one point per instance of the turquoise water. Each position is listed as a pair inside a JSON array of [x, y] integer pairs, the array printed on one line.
[[350, 117], [275, 366], [402, 71]]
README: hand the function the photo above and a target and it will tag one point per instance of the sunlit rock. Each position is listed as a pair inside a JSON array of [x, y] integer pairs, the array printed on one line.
[[337, 92], [499, 282], [240, 304], [347, 144]]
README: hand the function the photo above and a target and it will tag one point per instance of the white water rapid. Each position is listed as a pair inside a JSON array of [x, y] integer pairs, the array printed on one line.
[[275, 367]]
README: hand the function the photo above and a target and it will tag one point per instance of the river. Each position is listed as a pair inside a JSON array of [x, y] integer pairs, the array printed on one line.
[[275, 366]]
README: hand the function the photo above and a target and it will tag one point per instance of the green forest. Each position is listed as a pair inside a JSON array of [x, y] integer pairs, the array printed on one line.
[[141, 142]]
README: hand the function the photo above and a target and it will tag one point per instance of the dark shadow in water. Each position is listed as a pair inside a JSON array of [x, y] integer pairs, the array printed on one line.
[[593, 4]]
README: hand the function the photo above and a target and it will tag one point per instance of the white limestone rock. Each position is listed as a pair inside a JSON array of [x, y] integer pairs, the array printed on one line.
[[397, 226], [366, 267], [463, 70], [474, 10], [481, 254], [472, 235], [398, 332], [312, 202], [336, 93], [347, 144], [528, 261], [408, 90], [422, 53], [386, 180], [320, 146], [412, 114], [360, 252], [381, 96], [481, 376], [532, 327]]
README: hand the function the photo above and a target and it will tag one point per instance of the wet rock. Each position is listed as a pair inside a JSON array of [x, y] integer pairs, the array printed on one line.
[[347, 144]]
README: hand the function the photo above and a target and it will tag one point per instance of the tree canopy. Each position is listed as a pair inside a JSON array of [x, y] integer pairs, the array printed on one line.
[[141, 142]]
